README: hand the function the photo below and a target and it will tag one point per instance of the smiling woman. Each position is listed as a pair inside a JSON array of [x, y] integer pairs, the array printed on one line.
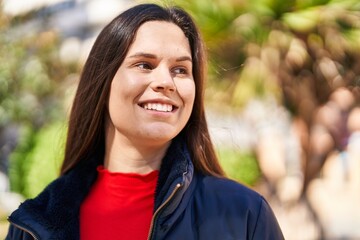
[[139, 162]]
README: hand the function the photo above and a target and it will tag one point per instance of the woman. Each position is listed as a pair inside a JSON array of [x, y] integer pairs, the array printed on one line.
[[139, 162]]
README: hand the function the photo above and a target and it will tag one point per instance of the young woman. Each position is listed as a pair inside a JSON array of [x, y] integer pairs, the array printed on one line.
[[139, 162]]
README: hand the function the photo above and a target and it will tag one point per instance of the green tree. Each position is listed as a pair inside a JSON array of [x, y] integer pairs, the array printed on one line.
[[299, 51], [31, 89]]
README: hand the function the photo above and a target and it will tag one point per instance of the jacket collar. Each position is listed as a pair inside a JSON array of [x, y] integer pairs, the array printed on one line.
[[54, 214], [176, 168]]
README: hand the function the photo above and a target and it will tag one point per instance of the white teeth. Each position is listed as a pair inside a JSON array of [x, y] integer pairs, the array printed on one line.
[[158, 107]]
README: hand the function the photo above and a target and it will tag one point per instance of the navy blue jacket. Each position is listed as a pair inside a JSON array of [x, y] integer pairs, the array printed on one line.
[[188, 205]]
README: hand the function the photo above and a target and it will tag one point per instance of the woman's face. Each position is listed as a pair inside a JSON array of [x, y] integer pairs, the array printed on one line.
[[153, 91]]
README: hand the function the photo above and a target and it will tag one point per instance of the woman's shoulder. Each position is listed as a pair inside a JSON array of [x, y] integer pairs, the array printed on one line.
[[241, 205], [227, 192], [228, 187]]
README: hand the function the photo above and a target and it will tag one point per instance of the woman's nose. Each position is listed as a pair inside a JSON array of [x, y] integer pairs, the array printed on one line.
[[163, 81]]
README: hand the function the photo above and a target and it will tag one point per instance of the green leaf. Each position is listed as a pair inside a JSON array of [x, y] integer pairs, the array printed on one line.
[[302, 21]]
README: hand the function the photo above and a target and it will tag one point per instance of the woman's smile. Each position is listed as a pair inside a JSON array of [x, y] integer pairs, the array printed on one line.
[[159, 107]]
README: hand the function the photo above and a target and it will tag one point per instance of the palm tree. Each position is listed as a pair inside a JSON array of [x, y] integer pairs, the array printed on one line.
[[298, 51]]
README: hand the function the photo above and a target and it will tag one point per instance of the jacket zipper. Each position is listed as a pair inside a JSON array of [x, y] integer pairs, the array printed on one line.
[[162, 206], [24, 229]]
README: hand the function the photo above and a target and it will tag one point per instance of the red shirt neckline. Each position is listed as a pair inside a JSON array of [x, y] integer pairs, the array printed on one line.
[[119, 206]]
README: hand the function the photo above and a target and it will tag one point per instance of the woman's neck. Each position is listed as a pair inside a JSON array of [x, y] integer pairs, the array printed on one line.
[[123, 155]]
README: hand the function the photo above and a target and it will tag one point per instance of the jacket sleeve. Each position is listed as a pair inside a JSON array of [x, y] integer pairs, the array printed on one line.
[[15, 233], [267, 226]]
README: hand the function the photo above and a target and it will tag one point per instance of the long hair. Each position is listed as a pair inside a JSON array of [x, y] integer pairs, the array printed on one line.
[[86, 130]]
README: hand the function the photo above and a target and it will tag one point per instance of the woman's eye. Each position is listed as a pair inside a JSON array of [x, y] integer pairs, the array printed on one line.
[[181, 71], [144, 66]]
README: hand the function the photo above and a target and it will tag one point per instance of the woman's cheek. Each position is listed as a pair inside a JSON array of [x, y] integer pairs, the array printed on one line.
[[186, 90]]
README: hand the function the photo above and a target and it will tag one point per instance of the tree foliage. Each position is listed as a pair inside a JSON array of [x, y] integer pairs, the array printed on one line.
[[32, 92], [298, 51], [30, 76]]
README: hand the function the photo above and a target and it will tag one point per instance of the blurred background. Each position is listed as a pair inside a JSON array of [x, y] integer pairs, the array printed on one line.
[[282, 98]]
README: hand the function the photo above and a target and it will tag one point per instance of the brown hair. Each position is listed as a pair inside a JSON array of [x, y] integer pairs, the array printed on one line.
[[86, 132]]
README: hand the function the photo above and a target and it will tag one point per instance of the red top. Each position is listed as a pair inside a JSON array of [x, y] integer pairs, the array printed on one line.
[[119, 206]]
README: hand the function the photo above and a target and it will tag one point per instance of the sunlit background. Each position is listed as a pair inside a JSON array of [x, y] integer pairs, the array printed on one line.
[[282, 97]]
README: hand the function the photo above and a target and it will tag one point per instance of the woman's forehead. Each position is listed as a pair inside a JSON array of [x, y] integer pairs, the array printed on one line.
[[160, 37]]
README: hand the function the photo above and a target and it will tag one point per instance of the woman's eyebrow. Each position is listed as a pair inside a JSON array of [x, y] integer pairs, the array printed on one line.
[[142, 54], [184, 58], [153, 56]]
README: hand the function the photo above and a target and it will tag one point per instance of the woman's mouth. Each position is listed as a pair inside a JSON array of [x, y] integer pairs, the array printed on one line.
[[160, 107]]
